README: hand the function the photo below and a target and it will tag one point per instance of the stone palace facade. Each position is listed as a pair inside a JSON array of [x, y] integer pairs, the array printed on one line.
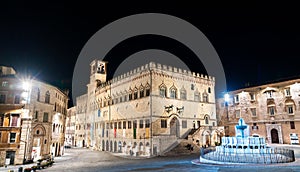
[[271, 110], [146, 111], [32, 118]]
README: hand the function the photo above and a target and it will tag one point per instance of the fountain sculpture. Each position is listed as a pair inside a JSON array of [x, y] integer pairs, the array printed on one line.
[[246, 149]]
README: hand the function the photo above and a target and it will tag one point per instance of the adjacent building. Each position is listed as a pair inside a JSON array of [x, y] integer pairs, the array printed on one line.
[[32, 118], [272, 110], [147, 110], [70, 127]]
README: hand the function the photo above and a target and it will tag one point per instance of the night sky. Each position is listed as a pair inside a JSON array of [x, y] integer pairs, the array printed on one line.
[[256, 43]]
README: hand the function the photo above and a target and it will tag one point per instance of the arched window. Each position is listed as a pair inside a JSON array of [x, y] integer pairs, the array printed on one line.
[[135, 94], [183, 94], [147, 89], [173, 92], [197, 96], [205, 97], [290, 106], [38, 94], [163, 90], [47, 97], [142, 91], [130, 94], [206, 119], [271, 107], [209, 90]]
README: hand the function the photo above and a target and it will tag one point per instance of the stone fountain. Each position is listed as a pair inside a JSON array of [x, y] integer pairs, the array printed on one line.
[[246, 149]]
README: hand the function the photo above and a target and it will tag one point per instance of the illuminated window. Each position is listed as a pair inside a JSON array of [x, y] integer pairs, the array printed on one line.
[[12, 138]]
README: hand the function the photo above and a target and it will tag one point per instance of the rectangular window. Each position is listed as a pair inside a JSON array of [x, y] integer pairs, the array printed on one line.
[[183, 95], [130, 96], [147, 91], [147, 123], [141, 124], [287, 92], [1, 119], [184, 124], [236, 99], [125, 98], [12, 138], [238, 113], [252, 96], [162, 92], [253, 111], [36, 115], [163, 123], [17, 99], [45, 117], [129, 124], [121, 99], [269, 94], [4, 84], [14, 121], [197, 97], [119, 125], [115, 125], [135, 95], [141, 93], [271, 110], [134, 124], [2, 98], [124, 124], [254, 127], [290, 109], [292, 124]]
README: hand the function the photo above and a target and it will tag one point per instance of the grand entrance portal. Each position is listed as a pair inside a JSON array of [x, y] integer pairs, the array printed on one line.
[[274, 136], [174, 127]]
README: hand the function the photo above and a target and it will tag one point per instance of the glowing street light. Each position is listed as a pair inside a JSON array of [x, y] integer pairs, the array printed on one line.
[[26, 85]]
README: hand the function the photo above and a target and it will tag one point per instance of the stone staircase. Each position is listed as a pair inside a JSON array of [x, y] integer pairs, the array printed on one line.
[[183, 148]]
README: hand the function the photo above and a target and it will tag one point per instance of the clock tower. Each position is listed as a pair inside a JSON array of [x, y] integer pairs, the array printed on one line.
[[98, 71]]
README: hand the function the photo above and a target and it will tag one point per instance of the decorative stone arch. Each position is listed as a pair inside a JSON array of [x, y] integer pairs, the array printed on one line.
[[174, 124], [289, 102], [41, 129], [206, 137], [206, 119], [173, 92], [271, 136], [162, 90]]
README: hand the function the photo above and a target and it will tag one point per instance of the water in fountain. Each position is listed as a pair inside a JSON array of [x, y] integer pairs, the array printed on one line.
[[246, 149]]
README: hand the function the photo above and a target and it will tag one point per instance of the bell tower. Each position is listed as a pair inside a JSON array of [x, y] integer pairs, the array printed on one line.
[[98, 71]]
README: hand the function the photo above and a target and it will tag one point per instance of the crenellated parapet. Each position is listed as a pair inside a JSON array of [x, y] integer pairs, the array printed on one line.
[[156, 67]]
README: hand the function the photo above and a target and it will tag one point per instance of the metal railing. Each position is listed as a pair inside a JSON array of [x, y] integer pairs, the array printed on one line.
[[271, 156]]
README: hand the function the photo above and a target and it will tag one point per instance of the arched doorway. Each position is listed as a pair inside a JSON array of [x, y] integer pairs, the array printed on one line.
[[111, 146], [115, 146], [107, 145], [103, 145], [274, 136], [174, 127]]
